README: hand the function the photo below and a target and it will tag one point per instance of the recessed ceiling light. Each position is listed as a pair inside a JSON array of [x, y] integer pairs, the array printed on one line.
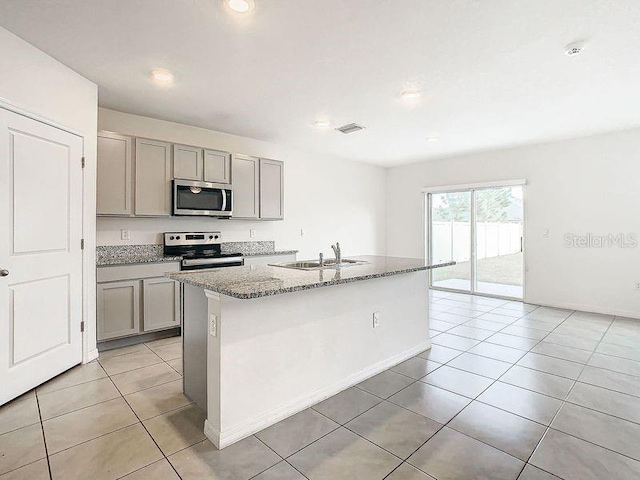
[[241, 6], [432, 139], [162, 76], [323, 123], [411, 93]]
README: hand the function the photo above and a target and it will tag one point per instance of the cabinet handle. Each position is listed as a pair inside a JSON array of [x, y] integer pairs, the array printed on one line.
[[4, 273]]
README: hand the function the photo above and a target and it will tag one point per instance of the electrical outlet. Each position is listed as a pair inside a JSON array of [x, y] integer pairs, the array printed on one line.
[[213, 327], [125, 234], [376, 319], [252, 232], [638, 286]]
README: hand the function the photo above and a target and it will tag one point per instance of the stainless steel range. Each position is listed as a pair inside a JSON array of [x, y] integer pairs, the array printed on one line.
[[200, 250]]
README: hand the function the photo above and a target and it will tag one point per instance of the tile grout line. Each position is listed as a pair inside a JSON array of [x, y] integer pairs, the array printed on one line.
[[475, 399], [146, 430], [564, 401], [44, 438], [284, 459]]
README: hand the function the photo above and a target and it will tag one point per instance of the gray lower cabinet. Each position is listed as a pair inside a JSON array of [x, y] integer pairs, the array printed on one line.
[[161, 300], [136, 299], [118, 312], [115, 175], [153, 178], [246, 186]]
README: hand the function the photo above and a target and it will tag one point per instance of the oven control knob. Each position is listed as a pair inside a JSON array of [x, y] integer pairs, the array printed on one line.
[[171, 237], [217, 237], [178, 237]]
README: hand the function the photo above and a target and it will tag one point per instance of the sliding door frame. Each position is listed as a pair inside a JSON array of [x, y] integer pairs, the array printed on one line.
[[426, 218]]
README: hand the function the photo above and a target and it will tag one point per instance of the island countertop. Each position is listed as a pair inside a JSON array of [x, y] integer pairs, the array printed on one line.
[[248, 282]]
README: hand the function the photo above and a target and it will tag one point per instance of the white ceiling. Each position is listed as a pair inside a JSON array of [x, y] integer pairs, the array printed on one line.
[[493, 72]]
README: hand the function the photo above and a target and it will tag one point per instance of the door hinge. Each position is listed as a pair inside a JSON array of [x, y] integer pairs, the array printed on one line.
[[82, 244], [83, 162], [82, 326]]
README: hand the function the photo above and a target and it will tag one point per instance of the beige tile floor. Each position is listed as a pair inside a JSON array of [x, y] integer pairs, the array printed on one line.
[[508, 391]]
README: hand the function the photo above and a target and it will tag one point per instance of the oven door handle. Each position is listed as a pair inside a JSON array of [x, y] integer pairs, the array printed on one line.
[[210, 261], [224, 200]]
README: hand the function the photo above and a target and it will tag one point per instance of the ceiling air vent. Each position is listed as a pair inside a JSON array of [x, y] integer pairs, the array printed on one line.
[[352, 127]]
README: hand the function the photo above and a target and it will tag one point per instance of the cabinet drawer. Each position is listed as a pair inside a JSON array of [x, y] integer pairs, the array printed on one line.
[[129, 272]]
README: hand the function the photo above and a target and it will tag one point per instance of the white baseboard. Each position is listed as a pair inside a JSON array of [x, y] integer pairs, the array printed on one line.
[[243, 430], [585, 308], [91, 355]]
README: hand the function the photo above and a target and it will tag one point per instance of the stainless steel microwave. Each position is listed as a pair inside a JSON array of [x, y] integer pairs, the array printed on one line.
[[202, 198]]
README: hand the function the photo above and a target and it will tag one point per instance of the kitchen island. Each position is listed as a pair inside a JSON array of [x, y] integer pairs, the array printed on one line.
[[263, 343]]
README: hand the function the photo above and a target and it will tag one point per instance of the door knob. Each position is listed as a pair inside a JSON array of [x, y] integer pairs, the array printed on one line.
[[4, 273]]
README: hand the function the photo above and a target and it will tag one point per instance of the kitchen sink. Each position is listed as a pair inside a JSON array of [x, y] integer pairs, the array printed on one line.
[[311, 265]]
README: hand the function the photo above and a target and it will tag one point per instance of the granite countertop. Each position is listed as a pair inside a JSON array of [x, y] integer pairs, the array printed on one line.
[[134, 254], [131, 255], [253, 282], [266, 254]]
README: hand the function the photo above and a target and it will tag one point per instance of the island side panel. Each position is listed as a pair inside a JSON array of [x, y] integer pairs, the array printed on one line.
[[283, 353], [194, 345]]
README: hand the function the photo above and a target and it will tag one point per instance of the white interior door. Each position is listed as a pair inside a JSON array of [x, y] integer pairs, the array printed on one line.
[[40, 253]]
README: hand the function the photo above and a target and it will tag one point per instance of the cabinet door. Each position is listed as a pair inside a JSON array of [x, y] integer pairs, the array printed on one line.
[[114, 181], [217, 166], [118, 309], [245, 174], [161, 299], [153, 178], [271, 189], [187, 162]]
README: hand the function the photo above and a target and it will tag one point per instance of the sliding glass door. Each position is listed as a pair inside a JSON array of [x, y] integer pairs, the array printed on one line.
[[450, 237], [482, 231]]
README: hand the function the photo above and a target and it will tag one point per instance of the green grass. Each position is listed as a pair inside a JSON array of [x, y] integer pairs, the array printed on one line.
[[506, 270]]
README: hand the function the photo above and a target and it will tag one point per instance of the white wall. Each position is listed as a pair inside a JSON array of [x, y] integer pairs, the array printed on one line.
[[588, 185], [42, 86], [331, 199]]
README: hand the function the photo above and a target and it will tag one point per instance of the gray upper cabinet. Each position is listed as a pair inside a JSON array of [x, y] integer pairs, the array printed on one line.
[[187, 162], [115, 179], [271, 189], [217, 166], [153, 178], [246, 186]]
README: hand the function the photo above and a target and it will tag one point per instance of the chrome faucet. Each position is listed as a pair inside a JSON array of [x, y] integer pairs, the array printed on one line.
[[338, 254], [321, 260]]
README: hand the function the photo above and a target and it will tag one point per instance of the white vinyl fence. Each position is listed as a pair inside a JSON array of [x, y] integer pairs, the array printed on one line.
[[452, 240]]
